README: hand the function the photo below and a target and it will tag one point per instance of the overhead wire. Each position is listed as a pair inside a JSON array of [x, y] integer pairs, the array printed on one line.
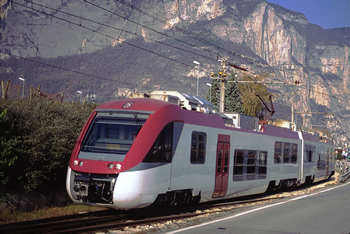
[[96, 31], [313, 91], [126, 31], [66, 69], [176, 28], [335, 86], [122, 30], [284, 83], [183, 31], [186, 33], [160, 20]]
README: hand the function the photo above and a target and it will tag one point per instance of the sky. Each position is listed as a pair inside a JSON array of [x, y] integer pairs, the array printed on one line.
[[325, 13]]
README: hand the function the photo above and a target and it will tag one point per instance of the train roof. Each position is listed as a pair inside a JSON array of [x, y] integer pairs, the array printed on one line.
[[246, 123], [186, 101], [139, 104]]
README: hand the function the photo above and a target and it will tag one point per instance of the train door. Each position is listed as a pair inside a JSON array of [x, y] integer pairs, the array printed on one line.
[[222, 166]]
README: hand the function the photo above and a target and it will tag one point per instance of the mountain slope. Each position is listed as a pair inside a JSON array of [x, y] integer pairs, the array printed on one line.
[[158, 40]]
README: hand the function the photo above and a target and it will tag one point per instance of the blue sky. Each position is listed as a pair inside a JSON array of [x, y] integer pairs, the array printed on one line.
[[326, 13]]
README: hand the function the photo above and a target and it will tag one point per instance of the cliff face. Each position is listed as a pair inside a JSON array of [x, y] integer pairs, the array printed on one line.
[[277, 41]]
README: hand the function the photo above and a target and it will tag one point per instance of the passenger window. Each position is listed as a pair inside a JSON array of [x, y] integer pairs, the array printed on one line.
[[294, 153], [238, 165], [251, 160], [309, 154], [262, 164], [286, 154], [278, 152], [249, 165], [198, 147], [290, 152], [161, 150]]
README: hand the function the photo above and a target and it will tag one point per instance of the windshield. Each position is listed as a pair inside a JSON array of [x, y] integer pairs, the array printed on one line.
[[111, 133]]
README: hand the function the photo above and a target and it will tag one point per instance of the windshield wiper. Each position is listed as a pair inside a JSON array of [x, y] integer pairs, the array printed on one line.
[[139, 125]]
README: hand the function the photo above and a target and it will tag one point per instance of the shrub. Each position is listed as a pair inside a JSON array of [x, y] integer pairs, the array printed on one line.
[[36, 140]]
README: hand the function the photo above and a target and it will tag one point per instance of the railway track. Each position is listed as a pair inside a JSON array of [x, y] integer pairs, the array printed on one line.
[[112, 219]]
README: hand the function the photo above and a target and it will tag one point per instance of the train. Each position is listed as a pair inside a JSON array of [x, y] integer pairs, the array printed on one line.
[[171, 148]]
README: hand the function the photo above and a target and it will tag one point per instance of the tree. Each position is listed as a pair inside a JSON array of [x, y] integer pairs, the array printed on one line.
[[215, 93], [250, 102], [232, 101]]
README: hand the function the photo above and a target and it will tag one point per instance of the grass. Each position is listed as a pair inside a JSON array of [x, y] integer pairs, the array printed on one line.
[[10, 216]]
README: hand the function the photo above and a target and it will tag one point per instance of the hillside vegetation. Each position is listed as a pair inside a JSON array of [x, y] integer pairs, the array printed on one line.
[[36, 140]]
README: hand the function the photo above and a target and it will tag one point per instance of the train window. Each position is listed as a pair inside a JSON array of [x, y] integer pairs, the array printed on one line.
[[278, 152], [294, 153], [198, 147], [249, 165], [251, 162], [286, 154], [161, 150], [226, 161], [219, 161], [309, 153], [290, 152], [111, 134], [262, 164], [238, 165], [321, 162]]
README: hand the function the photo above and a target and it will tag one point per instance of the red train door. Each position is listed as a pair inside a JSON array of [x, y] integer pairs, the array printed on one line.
[[222, 166]]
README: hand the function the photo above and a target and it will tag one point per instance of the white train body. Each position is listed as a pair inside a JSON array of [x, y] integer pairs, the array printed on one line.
[[180, 156]]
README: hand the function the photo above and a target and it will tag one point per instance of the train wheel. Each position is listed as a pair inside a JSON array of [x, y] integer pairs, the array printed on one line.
[[187, 197], [184, 197], [171, 199], [167, 199]]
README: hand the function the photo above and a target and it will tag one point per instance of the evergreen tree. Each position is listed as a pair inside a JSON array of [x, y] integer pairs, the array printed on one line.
[[232, 95], [215, 93], [233, 102]]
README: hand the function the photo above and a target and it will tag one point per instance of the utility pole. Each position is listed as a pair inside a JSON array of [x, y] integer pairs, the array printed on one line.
[[222, 89], [292, 118], [222, 77]]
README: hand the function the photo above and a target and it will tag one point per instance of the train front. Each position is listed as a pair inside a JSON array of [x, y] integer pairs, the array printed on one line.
[[122, 157]]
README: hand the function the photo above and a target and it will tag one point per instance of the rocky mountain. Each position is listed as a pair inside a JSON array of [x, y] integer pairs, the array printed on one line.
[[121, 46]]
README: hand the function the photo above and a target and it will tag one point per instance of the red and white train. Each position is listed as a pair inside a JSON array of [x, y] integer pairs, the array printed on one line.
[[135, 152]]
